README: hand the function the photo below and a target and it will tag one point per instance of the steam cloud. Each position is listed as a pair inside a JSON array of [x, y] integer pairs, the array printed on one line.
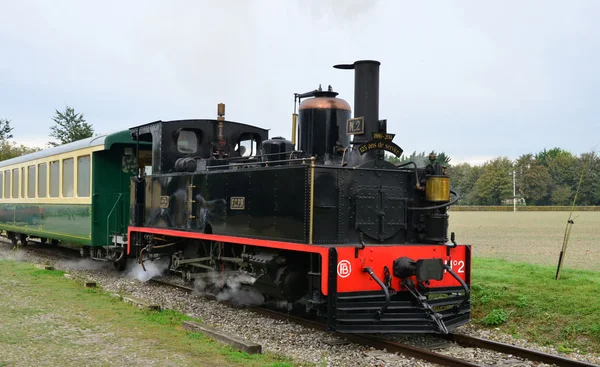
[[154, 269], [237, 288]]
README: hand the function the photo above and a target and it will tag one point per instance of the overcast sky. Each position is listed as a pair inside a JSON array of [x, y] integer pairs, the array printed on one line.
[[474, 79]]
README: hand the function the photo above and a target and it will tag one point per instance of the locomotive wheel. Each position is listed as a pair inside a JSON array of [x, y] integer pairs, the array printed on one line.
[[120, 265], [120, 262], [43, 240], [23, 238], [14, 240]]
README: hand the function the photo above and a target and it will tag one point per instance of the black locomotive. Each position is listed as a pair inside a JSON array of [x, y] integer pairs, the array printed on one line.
[[327, 224]]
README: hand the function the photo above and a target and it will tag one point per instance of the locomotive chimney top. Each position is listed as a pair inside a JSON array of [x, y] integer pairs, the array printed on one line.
[[353, 66], [366, 98]]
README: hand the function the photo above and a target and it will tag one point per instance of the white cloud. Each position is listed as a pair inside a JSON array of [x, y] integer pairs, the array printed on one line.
[[473, 161], [477, 79]]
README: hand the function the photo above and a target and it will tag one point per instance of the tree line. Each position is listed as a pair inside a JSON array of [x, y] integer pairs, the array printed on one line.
[[68, 127], [549, 177]]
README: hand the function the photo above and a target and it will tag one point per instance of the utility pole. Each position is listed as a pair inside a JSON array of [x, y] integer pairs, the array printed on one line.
[[514, 192]]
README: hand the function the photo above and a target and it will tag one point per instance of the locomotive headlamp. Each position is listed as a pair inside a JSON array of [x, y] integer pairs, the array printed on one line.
[[423, 269]]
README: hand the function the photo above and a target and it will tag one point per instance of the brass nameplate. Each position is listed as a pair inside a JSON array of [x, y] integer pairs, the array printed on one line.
[[237, 203]]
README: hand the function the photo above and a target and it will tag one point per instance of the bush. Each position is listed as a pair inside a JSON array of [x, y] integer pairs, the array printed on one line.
[[496, 317]]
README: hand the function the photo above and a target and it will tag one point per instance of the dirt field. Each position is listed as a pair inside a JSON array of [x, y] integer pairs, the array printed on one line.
[[533, 237]]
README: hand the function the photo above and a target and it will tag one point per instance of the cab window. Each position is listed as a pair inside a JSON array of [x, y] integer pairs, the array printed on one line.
[[187, 140], [247, 145]]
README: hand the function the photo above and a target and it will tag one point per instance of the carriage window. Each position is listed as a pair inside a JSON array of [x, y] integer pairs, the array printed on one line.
[[83, 176], [31, 181], [42, 180], [1, 185], [67, 178], [6, 184], [15, 183], [22, 182], [187, 141], [54, 179]]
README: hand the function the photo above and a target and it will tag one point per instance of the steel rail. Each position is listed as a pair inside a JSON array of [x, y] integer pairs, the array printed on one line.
[[532, 355], [173, 285], [416, 352], [375, 342]]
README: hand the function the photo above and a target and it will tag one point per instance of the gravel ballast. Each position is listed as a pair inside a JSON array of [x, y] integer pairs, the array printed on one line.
[[276, 336]]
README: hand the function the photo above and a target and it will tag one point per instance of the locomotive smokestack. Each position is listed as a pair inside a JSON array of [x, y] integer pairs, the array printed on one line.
[[366, 97]]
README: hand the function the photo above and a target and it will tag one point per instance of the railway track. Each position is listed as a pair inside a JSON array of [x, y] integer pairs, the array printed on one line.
[[376, 342], [418, 352]]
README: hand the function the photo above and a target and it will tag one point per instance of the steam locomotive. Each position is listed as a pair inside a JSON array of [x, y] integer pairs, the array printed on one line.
[[322, 222]]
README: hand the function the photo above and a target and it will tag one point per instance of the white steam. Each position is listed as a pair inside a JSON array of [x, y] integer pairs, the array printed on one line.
[[235, 288], [154, 269]]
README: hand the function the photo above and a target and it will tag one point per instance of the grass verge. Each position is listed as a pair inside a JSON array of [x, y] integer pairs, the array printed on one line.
[[526, 301], [47, 318]]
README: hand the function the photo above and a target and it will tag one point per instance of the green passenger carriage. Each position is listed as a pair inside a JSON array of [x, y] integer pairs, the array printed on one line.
[[76, 193]]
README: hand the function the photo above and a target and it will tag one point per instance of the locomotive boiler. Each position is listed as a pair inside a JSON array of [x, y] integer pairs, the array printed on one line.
[[322, 222]]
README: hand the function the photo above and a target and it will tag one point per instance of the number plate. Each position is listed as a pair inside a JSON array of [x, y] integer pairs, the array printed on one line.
[[355, 126]]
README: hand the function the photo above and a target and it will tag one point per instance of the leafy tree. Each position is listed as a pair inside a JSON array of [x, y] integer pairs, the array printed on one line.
[[549, 177], [589, 193], [562, 195], [462, 180], [69, 127], [10, 150], [442, 158], [5, 129], [494, 184], [564, 170], [533, 180], [553, 153], [421, 159]]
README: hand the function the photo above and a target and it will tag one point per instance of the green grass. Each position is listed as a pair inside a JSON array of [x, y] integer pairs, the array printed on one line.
[[56, 320], [526, 301]]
